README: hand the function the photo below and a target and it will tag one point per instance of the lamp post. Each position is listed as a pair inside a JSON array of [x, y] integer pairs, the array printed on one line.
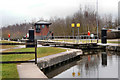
[[78, 26], [73, 25], [97, 18]]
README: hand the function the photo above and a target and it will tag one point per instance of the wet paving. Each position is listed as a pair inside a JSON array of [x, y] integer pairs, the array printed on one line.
[[96, 64]]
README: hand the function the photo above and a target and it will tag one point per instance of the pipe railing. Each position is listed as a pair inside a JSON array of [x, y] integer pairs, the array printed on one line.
[[75, 39]]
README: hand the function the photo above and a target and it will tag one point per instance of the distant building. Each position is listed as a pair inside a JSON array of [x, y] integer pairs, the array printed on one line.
[[42, 30]]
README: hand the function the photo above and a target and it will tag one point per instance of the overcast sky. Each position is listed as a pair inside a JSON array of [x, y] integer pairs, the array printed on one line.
[[19, 11]]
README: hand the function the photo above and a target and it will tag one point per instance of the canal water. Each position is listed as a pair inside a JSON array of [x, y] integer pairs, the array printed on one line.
[[95, 64]]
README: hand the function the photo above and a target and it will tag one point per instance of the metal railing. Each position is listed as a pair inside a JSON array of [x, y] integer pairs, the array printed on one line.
[[9, 53], [76, 39]]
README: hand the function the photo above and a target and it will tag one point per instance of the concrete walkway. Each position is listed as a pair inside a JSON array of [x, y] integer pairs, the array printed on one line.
[[18, 47], [29, 70], [108, 44]]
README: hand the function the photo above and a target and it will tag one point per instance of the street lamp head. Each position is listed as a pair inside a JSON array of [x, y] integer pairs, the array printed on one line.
[[73, 25], [78, 25]]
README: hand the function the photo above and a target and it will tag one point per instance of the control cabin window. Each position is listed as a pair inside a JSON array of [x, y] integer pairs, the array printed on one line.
[[43, 26], [47, 26], [37, 28]]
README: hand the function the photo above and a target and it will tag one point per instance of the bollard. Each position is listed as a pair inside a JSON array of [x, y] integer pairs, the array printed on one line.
[[104, 58], [118, 28], [31, 34], [104, 36], [31, 38]]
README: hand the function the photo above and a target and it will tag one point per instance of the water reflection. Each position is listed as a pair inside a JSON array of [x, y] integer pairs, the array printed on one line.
[[50, 73], [104, 58], [97, 64]]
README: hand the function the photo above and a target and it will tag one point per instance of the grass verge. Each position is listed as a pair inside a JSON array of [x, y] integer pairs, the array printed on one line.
[[116, 42], [10, 70], [7, 46], [5, 41]]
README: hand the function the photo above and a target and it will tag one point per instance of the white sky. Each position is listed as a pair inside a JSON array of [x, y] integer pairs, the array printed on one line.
[[17, 11]]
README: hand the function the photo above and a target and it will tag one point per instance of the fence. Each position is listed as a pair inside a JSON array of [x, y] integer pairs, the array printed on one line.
[[70, 37], [75, 39], [8, 53]]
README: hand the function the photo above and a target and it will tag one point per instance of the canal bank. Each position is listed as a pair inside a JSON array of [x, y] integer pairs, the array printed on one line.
[[110, 46], [30, 70], [59, 58], [113, 47]]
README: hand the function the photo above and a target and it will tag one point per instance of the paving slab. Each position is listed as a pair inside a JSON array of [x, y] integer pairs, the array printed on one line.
[[29, 70]]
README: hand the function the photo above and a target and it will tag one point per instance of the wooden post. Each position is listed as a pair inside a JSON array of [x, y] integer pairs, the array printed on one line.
[[35, 51]]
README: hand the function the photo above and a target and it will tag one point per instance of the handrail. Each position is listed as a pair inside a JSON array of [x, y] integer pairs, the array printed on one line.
[[17, 43], [5, 53]]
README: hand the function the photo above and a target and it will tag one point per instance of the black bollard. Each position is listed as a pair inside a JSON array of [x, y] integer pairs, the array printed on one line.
[[31, 34], [104, 36], [31, 39], [118, 28], [104, 58]]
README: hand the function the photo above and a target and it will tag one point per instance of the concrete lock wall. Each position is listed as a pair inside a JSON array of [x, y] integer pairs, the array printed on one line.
[[47, 62], [113, 48]]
